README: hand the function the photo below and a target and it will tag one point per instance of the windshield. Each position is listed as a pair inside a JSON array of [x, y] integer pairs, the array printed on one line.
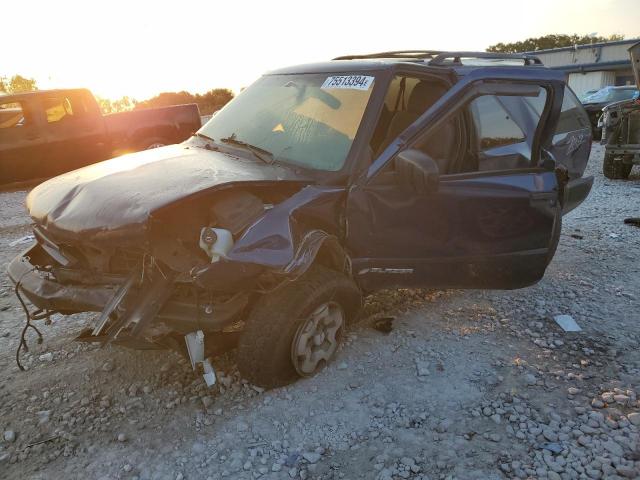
[[610, 95], [309, 120]]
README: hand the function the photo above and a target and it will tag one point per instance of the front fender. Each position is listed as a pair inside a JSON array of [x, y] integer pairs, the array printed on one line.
[[284, 242]]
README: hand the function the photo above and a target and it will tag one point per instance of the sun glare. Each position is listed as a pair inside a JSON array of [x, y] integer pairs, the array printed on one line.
[[139, 49]]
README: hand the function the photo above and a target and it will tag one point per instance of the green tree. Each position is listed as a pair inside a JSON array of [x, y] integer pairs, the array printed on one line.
[[550, 41], [213, 100], [113, 106], [208, 102], [17, 84]]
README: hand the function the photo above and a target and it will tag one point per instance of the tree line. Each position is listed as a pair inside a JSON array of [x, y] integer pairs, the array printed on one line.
[[17, 84], [551, 41], [208, 102]]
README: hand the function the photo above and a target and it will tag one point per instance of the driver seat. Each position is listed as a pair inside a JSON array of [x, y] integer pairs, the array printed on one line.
[[440, 144]]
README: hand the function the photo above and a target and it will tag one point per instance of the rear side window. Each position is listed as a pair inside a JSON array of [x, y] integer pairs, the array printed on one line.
[[494, 125], [11, 115], [60, 108], [572, 116], [57, 109]]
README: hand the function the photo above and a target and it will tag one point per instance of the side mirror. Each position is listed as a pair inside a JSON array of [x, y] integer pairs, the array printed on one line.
[[417, 171]]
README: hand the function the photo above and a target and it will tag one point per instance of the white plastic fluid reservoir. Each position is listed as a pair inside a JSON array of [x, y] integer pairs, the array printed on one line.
[[216, 242]]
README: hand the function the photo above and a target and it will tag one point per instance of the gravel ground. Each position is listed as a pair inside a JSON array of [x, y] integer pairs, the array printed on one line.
[[466, 385]]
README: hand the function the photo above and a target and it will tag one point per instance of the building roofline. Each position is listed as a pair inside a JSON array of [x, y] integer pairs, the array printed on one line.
[[592, 67], [630, 41]]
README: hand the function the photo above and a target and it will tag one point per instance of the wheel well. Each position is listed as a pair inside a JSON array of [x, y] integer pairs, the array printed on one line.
[[156, 133], [332, 255]]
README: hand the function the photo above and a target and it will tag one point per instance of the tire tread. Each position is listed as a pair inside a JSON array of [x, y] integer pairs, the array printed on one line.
[[264, 349]]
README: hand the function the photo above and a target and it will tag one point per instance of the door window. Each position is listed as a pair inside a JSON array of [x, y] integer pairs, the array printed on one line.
[[60, 108], [57, 109], [406, 100], [572, 116], [499, 132], [503, 131], [12, 115], [494, 126]]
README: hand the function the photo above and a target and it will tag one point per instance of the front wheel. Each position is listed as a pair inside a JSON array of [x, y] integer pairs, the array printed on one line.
[[295, 330]]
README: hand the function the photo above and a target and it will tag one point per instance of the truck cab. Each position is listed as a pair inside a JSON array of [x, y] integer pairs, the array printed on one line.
[[46, 133]]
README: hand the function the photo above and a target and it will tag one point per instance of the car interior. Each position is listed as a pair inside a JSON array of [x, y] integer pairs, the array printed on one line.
[[482, 137]]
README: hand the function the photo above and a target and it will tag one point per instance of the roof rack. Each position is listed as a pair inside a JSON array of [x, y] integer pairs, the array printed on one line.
[[413, 54], [441, 58]]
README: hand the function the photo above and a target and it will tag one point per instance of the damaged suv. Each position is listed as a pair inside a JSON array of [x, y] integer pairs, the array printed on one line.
[[318, 184]]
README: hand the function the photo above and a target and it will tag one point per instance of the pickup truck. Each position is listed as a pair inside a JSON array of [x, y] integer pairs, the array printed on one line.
[[49, 132]]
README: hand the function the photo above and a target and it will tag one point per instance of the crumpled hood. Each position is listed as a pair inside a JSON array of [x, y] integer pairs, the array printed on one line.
[[124, 191]]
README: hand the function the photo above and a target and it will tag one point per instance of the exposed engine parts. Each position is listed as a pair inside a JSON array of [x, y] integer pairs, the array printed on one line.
[[216, 242], [235, 210]]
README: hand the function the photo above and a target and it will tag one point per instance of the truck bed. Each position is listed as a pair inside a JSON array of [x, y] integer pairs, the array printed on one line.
[[138, 129]]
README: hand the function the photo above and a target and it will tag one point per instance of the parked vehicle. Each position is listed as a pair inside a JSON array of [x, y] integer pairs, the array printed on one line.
[[315, 186], [586, 94], [49, 132], [594, 103], [621, 130]]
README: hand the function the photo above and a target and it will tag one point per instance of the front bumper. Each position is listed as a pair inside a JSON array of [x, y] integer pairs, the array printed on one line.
[[46, 293]]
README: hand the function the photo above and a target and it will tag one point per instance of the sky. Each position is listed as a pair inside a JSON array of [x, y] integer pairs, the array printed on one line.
[[140, 48]]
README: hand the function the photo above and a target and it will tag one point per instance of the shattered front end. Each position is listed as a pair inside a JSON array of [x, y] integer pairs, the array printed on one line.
[[194, 267], [144, 303]]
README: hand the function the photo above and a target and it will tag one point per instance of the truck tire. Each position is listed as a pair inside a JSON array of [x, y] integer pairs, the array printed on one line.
[[151, 143], [615, 170], [295, 330]]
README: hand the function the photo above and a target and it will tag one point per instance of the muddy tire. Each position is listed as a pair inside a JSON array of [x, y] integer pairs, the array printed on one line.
[[292, 318], [615, 170]]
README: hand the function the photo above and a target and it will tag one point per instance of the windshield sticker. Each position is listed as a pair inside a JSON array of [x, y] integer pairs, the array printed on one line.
[[356, 82]]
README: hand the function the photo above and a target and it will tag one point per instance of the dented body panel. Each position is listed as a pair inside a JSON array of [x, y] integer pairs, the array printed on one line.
[[117, 197], [284, 241]]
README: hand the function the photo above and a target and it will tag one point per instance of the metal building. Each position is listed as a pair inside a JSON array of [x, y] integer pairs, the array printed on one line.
[[593, 66]]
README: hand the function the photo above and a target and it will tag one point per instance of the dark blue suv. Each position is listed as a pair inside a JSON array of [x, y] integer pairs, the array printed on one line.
[[316, 185]]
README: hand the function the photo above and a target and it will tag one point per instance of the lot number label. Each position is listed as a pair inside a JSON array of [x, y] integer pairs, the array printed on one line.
[[356, 82]]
